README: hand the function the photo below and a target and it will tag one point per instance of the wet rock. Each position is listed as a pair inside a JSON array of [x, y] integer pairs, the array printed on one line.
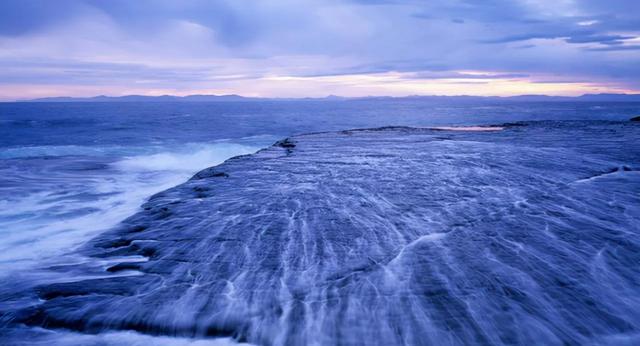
[[385, 236], [516, 124], [111, 286], [286, 143], [210, 173], [124, 266]]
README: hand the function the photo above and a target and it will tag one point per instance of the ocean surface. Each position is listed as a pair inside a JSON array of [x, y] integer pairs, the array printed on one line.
[[69, 171]]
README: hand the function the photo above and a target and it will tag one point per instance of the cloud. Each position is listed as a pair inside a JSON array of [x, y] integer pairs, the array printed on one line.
[[602, 39], [211, 45], [615, 48], [465, 75], [28, 16]]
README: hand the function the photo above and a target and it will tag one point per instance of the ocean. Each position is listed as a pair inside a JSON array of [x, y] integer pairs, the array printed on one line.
[[523, 234], [71, 170]]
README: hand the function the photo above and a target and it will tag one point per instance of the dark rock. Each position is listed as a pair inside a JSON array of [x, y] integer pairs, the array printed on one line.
[[517, 124], [286, 143], [109, 286], [210, 173], [386, 236], [137, 228], [123, 266]]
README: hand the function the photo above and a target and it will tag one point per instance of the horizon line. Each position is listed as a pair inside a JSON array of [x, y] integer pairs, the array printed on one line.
[[330, 96]]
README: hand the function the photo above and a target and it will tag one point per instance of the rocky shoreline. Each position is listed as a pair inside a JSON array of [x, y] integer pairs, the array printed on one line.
[[526, 234]]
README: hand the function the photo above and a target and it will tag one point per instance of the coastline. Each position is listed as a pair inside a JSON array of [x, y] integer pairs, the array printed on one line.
[[359, 217]]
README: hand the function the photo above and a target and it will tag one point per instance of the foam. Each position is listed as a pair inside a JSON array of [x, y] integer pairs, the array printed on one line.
[[66, 208], [45, 337], [195, 157]]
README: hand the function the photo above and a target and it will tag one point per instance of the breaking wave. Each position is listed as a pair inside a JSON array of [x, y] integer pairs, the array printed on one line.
[[54, 198]]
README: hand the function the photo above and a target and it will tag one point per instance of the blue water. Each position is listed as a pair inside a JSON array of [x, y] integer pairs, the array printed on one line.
[[123, 125], [71, 170]]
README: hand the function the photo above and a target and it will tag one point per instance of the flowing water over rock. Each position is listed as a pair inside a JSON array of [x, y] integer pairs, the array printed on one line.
[[384, 236]]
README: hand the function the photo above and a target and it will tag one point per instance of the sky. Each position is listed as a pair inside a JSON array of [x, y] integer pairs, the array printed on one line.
[[309, 48]]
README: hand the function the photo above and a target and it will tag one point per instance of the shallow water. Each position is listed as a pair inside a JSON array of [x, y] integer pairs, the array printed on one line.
[[71, 171], [54, 198]]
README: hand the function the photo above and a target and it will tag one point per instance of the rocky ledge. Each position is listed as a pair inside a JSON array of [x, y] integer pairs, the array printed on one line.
[[385, 236]]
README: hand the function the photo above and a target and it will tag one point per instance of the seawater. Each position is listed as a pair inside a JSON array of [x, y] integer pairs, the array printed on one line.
[[71, 170]]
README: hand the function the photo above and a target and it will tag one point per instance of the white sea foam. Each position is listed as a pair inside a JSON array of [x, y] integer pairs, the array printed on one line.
[[196, 156], [54, 210], [68, 338]]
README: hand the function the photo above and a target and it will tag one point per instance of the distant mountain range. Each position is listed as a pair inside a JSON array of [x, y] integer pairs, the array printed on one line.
[[238, 98]]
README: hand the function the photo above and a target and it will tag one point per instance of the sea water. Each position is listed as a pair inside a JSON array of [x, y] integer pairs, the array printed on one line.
[[71, 170]]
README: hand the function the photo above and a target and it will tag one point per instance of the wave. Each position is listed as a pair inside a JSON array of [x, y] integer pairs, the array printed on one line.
[[51, 204], [194, 157], [44, 337], [59, 150]]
